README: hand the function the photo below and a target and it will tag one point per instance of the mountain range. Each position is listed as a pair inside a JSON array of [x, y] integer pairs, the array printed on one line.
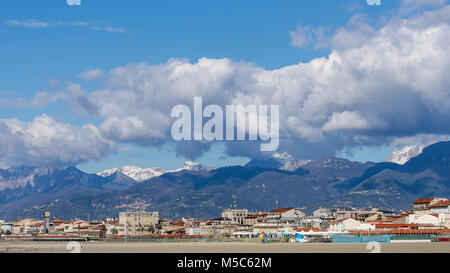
[[203, 192], [139, 174]]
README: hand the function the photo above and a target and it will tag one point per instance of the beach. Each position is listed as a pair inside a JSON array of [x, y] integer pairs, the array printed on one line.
[[215, 247]]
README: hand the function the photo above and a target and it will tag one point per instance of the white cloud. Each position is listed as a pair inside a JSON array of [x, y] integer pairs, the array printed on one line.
[[304, 36], [115, 29], [424, 139], [80, 102], [376, 85], [345, 120], [44, 141], [37, 24], [408, 6], [92, 75], [40, 99]]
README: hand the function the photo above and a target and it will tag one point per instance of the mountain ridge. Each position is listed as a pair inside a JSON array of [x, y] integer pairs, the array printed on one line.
[[204, 193]]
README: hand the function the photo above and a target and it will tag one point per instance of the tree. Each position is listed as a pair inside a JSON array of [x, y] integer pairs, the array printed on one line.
[[225, 235]]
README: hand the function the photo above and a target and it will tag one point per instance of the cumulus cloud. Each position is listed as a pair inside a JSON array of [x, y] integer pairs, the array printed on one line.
[[81, 103], [376, 85], [424, 139], [345, 120], [92, 75], [45, 141]]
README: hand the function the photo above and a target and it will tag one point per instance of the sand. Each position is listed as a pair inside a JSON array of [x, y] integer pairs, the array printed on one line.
[[213, 247]]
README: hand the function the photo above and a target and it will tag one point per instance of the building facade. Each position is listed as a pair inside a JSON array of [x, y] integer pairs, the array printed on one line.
[[138, 222]]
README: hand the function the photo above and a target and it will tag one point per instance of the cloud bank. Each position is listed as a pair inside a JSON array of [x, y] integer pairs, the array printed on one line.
[[45, 141], [379, 85]]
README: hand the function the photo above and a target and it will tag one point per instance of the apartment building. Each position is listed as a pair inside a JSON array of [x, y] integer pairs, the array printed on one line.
[[236, 215], [424, 204], [138, 222]]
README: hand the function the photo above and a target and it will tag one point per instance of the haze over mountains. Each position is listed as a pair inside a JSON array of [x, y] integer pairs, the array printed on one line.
[[202, 192]]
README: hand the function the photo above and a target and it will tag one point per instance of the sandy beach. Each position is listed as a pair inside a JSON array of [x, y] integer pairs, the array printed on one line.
[[220, 247]]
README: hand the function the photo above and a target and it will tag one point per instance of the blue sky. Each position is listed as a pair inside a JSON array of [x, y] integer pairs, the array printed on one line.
[[45, 44]]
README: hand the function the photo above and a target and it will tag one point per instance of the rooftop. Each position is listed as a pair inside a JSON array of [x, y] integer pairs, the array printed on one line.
[[441, 204], [282, 210]]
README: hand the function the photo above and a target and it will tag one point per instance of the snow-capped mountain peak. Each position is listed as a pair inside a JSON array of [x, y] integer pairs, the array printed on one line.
[[288, 162], [140, 174], [404, 155], [137, 173]]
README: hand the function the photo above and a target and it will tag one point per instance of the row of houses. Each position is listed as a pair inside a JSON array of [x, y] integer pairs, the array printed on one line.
[[427, 214]]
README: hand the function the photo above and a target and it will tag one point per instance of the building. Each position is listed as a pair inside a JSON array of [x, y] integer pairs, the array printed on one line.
[[423, 204], [6, 228], [424, 219], [323, 213], [218, 227], [236, 215], [286, 214], [252, 219], [440, 207], [138, 222], [27, 226], [313, 222], [269, 227], [344, 225]]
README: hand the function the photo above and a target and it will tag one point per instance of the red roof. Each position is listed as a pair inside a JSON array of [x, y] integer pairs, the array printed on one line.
[[339, 220], [441, 204], [405, 231], [256, 215], [395, 226], [282, 210], [58, 221], [423, 201]]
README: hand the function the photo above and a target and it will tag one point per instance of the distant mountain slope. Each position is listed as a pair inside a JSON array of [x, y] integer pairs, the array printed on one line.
[[395, 186], [27, 186]]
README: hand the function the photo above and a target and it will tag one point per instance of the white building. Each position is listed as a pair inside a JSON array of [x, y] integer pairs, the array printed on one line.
[[423, 205], [345, 225], [138, 222], [440, 207], [323, 213], [424, 219], [236, 215], [287, 214], [6, 227]]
